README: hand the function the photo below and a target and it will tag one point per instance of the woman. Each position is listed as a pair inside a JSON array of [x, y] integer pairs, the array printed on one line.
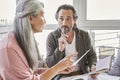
[[18, 50]]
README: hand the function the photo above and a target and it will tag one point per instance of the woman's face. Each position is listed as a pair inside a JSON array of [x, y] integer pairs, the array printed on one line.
[[38, 22]]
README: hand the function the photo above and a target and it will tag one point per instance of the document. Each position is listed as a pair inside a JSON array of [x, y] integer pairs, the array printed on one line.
[[103, 65]]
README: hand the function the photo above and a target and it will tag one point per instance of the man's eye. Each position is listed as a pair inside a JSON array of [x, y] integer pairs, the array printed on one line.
[[68, 19], [61, 19]]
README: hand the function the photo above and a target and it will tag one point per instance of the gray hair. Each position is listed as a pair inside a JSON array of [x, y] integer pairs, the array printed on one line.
[[23, 29]]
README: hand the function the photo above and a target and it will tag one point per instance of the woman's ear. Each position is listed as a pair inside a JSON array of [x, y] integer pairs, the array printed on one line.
[[31, 19]]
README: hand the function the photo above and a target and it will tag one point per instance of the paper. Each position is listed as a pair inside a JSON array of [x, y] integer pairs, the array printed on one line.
[[103, 65], [80, 57]]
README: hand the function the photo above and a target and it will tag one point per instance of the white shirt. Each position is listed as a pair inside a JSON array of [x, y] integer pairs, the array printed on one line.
[[70, 49]]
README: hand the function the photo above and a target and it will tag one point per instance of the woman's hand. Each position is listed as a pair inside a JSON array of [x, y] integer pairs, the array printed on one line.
[[59, 67], [40, 70], [66, 63], [68, 70]]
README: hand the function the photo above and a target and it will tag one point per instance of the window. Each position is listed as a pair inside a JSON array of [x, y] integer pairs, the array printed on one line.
[[41, 40], [98, 14], [51, 23], [106, 42], [102, 19], [51, 7], [7, 15], [103, 10], [7, 12]]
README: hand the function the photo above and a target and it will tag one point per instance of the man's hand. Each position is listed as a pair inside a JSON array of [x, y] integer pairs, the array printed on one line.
[[62, 42], [93, 69]]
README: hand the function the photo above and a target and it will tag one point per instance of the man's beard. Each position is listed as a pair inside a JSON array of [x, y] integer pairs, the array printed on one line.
[[65, 29]]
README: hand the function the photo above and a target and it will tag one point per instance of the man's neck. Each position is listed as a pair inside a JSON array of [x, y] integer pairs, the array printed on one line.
[[70, 36]]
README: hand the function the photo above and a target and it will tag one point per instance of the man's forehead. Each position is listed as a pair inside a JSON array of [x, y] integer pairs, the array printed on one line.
[[68, 11], [65, 16]]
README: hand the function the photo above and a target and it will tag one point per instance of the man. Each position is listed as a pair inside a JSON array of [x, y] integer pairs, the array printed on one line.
[[68, 39]]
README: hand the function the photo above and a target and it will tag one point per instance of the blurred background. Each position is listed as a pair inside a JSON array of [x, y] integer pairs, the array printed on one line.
[[101, 18]]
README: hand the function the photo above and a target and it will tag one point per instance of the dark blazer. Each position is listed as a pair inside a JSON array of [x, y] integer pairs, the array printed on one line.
[[83, 43]]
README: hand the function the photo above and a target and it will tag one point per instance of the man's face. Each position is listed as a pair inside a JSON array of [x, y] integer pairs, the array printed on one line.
[[65, 18]]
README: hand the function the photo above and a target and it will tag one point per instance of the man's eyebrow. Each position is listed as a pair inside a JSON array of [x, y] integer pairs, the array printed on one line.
[[61, 16], [69, 16]]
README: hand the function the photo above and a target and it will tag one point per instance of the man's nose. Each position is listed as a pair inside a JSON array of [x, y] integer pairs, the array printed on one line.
[[64, 22], [44, 21]]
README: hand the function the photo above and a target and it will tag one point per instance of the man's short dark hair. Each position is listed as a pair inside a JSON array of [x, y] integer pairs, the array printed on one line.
[[66, 7]]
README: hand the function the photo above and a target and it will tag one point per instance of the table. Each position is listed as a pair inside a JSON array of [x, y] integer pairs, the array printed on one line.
[[101, 76]]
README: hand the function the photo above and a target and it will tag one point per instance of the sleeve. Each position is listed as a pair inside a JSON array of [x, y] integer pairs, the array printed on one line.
[[14, 67], [53, 53], [1, 78], [91, 57], [115, 69]]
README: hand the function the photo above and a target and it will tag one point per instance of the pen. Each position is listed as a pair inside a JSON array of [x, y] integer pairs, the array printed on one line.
[[80, 57]]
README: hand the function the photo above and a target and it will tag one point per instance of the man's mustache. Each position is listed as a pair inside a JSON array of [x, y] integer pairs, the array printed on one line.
[[65, 29]]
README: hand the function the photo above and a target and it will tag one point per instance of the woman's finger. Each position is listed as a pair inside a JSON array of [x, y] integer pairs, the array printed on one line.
[[72, 55]]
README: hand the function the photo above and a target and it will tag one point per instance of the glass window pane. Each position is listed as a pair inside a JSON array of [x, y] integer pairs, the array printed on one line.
[[103, 10], [107, 42], [51, 7], [41, 41], [7, 10]]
